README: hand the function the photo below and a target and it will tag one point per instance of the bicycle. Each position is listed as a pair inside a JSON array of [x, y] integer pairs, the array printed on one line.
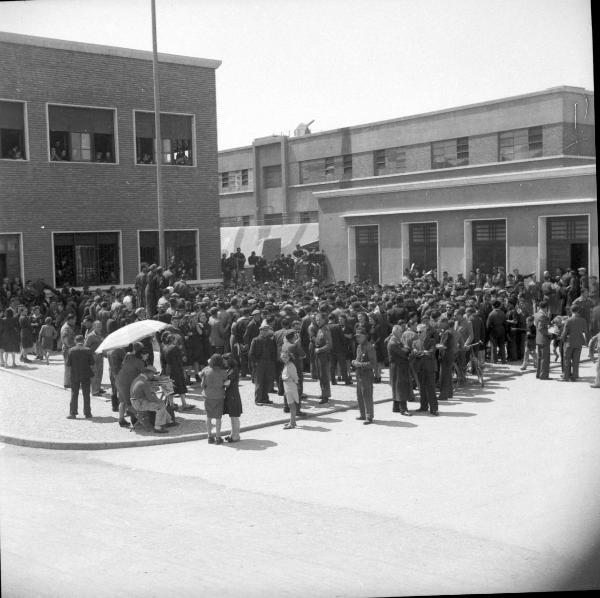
[[472, 364]]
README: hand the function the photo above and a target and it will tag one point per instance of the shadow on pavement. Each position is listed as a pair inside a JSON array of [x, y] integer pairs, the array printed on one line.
[[325, 420], [457, 414], [251, 444], [313, 428], [394, 423], [107, 419]]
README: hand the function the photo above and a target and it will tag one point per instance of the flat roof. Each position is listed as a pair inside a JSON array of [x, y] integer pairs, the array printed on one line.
[[72, 46], [462, 181]]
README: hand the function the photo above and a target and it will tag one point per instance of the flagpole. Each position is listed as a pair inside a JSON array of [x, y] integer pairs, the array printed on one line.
[[158, 150]]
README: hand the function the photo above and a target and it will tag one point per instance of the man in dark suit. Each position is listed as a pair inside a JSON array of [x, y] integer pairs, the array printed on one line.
[[574, 336], [263, 355], [542, 340], [81, 361]]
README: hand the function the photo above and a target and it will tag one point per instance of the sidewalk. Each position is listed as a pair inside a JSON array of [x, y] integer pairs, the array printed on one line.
[[34, 406]]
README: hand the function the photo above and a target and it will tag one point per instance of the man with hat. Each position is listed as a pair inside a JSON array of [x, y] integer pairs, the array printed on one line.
[[262, 357], [365, 365], [322, 352], [424, 348]]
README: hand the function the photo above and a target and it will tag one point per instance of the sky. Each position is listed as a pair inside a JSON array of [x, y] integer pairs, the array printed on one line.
[[338, 62]]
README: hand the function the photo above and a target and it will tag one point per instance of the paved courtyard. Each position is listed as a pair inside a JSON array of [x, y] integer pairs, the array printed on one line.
[[501, 493]]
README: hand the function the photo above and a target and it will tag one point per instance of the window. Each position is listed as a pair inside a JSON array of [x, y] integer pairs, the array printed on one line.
[[12, 131], [235, 221], [347, 165], [521, 144], [224, 181], [423, 245], [272, 176], [389, 161], [180, 251], [236, 180], [329, 168], [273, 218], [81, 134], [325, 169], [489, 244], [310, 216], [567, 242], [451, 152], [86, 258], [176, 134], [10, 256]]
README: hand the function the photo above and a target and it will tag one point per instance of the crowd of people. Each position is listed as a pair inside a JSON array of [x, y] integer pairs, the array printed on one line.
[[423, 329], [301, 266]]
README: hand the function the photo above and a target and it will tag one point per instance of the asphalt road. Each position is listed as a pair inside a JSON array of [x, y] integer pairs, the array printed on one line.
[[501, 493]]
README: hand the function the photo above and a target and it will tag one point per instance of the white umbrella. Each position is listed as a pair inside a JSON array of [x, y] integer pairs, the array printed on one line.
[[130, 333]]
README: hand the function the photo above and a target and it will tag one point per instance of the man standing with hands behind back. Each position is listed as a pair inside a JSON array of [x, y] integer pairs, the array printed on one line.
[[80, 360]]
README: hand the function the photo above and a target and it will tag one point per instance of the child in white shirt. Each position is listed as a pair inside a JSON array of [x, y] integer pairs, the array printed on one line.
[[289, 376]]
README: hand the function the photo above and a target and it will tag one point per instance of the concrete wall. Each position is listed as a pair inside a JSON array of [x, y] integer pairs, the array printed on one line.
[[522, 221]]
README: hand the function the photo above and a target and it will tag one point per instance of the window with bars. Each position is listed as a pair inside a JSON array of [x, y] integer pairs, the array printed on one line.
[[423, 245], [228, 221], [86, 258], [12, 131], [176, 137], [389, 161], [273, 218], [309, 216], [329, 170], [271, 176], [450, 152], [347, 165], [568, 229], [367, 235], [489, 230], [521, 144], [236, 180], [81, 134], [180, 250]]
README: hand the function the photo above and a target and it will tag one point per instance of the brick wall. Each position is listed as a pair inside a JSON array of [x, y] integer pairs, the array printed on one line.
[[68, 196]]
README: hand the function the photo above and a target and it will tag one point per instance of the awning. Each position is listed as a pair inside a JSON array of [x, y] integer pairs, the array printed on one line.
[[252, 238]]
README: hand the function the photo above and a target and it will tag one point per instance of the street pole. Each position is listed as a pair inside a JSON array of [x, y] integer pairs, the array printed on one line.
[[158, 151]]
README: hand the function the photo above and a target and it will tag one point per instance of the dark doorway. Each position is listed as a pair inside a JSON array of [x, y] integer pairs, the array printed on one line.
[[423, 245], [489, 244], [367, 253], [567, 242]]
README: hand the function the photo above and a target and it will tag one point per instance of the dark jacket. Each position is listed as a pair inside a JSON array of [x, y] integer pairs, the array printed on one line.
[[81, 360]]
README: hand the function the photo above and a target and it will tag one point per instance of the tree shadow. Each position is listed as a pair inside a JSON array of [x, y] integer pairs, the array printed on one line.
[[251, 444]]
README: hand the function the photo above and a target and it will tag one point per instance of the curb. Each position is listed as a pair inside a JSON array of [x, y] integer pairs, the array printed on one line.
[[44, 443], [152, 441]]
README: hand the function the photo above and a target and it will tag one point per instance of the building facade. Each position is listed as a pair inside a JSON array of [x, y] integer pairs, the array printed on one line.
[[78, 194], [505, 183]]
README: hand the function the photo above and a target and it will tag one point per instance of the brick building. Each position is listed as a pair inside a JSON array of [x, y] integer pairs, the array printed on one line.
[[509, 182], [77, 186]]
